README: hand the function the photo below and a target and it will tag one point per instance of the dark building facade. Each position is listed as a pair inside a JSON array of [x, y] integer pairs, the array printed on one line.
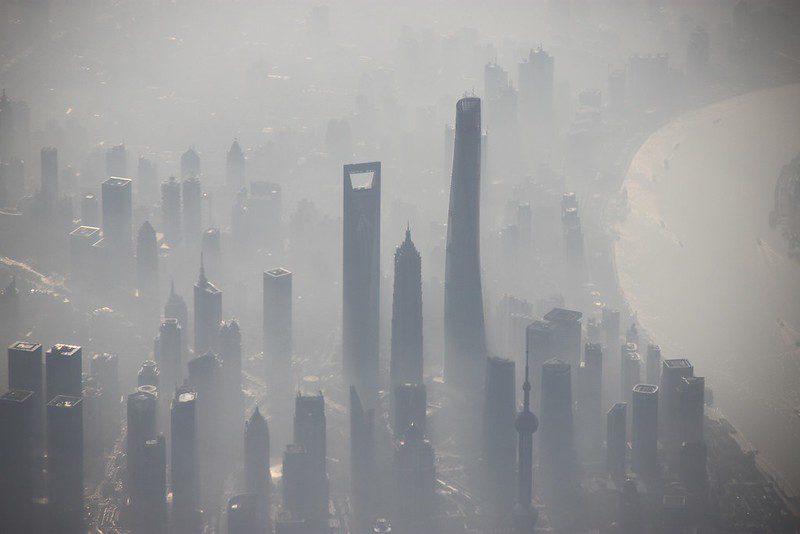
[[117, 206], [235, 167], [65, 463], [63, 371], [277, 327], [464, 328], [644, 430], [362, 458], [499, 443], [406, 357], [409, 407], [26, 372], [168, 352], [414, 483], [207, 313], [17, 449], [310, 434], [171, 211], [616, 440], [361, 278], [184, 456], [558, 458], [146, 260], [258, 479], [192, 210]]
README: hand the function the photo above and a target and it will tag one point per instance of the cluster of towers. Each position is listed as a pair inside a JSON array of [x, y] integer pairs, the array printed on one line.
[[188, 403]]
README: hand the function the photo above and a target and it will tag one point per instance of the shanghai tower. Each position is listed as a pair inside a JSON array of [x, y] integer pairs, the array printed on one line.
[[465, 338], [361, 277]]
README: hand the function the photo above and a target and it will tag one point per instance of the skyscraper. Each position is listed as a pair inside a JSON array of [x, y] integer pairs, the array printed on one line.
[[653, 364], [146, 260], [49, 191], [558, 458], [235, 167], [183, 456], [65, 463], [190, 164], [277, 327], [630, 371], [409, 406], [207, 313], [25, 373], [154, 484], [17, 433], [117, 198], [211, 246], [192, 210], [148, 374], [644, 430], [168, 352], [117, 161], [175, 308], [566, 334], [105, 370], [230, 343], [244, 514], [673, 372], [499, 448], [415, 483], [589, 400], [616, 440], [310, 433], [361, 277], [525, 515], [362, 467], [536, 92], [171, 211], [298, 491], [691, 403], [142, 427], [406, 358], [540, 346], [464, 330], [258, 479], [146, 180], [63, 371], [205, 377]]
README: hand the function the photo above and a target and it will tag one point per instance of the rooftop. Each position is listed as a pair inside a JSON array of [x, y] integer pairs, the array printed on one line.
[[65, 350], [559, 315], [116, 181], [85, 231], [618, 407], [65, 401], [16, 395], [679, 363], [645, 388], [187, 396], [278, 272], [26, 346]]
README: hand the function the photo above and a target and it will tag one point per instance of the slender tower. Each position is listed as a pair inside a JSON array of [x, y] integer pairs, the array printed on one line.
[[525, 515], [361, 277], [207, 313], [406, 359], [465, 337]]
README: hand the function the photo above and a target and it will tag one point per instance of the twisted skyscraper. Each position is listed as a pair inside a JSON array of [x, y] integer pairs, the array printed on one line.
[[465, 338]]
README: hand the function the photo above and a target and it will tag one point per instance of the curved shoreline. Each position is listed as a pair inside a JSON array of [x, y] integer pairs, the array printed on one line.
[[644, 233]]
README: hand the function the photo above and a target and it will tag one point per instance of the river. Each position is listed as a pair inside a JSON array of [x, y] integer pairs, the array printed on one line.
[[707, 277]]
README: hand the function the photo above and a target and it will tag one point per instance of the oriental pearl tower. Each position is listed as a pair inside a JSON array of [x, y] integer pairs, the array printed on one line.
[[525, 515]]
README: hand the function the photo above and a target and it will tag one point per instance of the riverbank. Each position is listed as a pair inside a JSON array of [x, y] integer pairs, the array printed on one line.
[[698, 264]]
